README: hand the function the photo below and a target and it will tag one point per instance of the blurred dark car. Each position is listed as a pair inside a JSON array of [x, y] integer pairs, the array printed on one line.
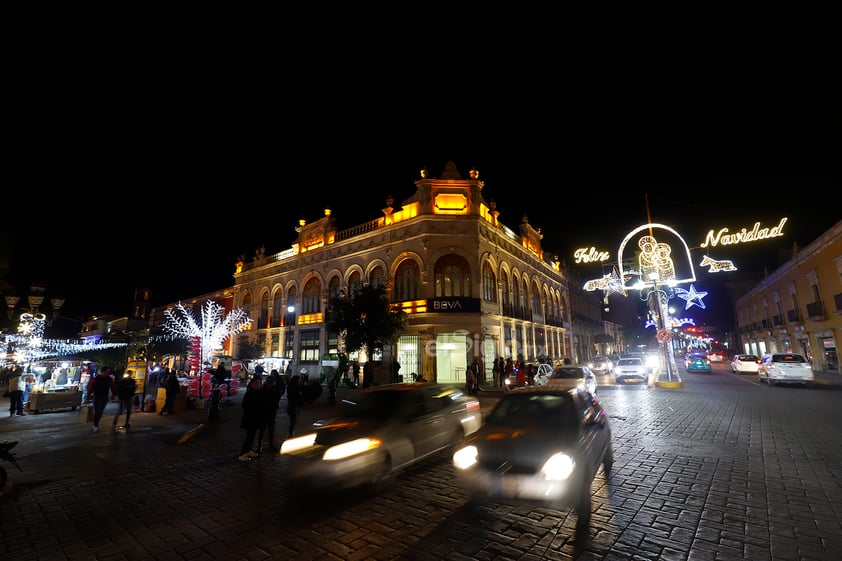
[[387, 429], [539, 445], [697, 362]]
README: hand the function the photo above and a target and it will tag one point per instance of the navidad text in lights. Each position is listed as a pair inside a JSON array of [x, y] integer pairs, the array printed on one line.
[[585, 255], [722, 237]]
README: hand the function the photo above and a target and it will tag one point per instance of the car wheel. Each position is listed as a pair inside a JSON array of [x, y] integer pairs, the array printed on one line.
[[608, 460], [383, 478], [583, 509]]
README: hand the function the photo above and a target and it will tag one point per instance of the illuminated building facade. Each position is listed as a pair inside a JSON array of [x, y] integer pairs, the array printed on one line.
[[472, 288], [798, 307]]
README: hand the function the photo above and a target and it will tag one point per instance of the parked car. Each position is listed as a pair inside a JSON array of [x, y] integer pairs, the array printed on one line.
[[785, 368], [387, 429], [538, 445], [573, 376], [745, 363], [697, 362], [630, 368], [601, 365]]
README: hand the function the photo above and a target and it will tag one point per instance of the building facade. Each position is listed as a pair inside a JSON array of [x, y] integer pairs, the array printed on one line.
[[798, 307], [471, 287]]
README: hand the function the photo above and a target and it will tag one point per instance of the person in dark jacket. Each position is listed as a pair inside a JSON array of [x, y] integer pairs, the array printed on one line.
[[126, 387], [273, 389], [173, 387], [295, 399], [101, 388], [253, 417]]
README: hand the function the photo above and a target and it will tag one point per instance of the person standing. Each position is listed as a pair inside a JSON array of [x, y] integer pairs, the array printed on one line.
[[126, 387], [16, 394], [272, 391], [101, 388], [252, 419], [470, 381], [172, 387], [295, 399]]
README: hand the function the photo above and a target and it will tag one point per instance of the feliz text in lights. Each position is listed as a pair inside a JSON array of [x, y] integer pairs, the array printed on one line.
[[743, 236], [585, 255]]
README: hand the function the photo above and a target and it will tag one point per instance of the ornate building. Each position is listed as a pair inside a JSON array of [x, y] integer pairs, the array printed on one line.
[[472, 288]]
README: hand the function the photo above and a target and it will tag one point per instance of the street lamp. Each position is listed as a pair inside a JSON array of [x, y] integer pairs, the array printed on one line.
[[664, 335]]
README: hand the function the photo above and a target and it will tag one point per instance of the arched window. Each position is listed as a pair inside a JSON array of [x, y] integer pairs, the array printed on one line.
[[489, 283], [536, 298], [524, 299], [333, 286], [452, 276], [515, 295], [311, 301], [377, 277], [504, 291], [264, 311], [277, 308], [354, 282], [247, 304], [407, 282], [290, 312]]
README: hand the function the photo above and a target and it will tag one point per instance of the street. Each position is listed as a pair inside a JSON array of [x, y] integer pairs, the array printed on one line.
[[720, 468]]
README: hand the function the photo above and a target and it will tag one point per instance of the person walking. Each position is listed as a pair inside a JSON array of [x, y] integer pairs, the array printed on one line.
[[16, 384], [100, 389], [272, 392], [126, 387], [173, 387], [295, 400], [253, 418]]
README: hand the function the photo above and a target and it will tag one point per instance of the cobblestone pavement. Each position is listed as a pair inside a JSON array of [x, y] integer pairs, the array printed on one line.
[[720, 468]]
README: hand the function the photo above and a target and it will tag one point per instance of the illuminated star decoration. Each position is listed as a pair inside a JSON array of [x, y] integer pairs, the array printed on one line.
[[691, 297]]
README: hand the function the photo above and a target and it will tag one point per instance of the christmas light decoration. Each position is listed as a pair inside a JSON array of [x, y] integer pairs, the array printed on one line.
[[213, 329], [691, 297]]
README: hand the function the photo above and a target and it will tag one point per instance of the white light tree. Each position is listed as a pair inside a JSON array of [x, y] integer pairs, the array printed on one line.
[[213, 329]]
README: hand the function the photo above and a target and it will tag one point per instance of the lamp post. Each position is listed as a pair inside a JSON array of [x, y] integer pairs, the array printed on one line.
[[664, 334]]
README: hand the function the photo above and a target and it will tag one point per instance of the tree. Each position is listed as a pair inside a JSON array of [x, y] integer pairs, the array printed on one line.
[[364, 320]]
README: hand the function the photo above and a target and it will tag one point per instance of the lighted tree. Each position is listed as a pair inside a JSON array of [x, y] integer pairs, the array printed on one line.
[[213, 328]]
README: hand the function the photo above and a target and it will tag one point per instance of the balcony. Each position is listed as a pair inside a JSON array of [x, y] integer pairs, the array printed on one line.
[[815, 310], [792, 316]]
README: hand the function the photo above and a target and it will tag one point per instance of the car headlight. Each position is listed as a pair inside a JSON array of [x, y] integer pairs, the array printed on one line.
[[352, 448], [291, 445], [558, 467], [465, 457]]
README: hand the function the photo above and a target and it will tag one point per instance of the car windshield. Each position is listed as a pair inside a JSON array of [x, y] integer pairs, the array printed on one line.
[[568, 373], [384, 405], [788, 358], [747, 357], [556, 410], [630, 362]]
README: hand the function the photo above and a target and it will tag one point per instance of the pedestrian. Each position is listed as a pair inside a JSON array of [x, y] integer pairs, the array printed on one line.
[[252, 418], [101, 389], [471, 381], [272, 391], [173, 387], [497, 371], [356, 374], [475, 366], [16, 384], [295, 399], [126, 387]]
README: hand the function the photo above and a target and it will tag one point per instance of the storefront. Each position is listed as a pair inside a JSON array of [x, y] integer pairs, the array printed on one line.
[[57, 383]]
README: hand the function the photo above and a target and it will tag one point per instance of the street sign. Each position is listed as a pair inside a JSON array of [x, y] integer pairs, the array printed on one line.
[[664, 335]]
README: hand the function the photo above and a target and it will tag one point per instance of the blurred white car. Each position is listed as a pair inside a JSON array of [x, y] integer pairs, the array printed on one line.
[[745, 363], [785, 368], [631, 368], [572, 376]]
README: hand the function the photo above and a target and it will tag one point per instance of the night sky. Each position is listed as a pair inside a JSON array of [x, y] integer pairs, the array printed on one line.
[[165, 192]]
